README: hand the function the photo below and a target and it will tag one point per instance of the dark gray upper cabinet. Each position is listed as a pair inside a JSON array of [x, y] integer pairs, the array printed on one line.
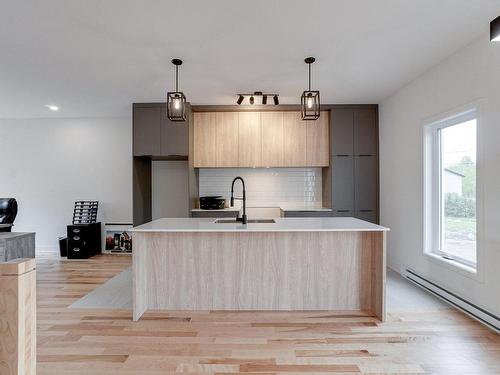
[[343, 184], [342, 132], [365, 132], [146, 131], [174, 136], [155, 135]]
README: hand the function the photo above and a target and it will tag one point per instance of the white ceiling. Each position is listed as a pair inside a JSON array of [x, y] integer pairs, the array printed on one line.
[[94, 58]]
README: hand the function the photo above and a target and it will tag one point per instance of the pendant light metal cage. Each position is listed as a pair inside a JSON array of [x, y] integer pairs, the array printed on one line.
[[310, 105], [176, 100], [309, 101]]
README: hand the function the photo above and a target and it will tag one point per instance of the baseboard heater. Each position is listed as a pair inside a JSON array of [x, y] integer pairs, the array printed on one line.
[[474, 311]]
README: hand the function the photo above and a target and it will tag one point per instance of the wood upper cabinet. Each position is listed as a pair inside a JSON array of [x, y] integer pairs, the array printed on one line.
[[294, 140], [249, 139], [204, 152], [272, 139], [227, 139], [146, 131], [260, 139], [317, 141]]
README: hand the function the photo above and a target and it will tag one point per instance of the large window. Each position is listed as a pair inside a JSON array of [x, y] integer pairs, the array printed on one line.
[[451, 188]]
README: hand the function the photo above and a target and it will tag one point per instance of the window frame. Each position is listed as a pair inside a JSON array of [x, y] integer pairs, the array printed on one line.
[[433, 195]]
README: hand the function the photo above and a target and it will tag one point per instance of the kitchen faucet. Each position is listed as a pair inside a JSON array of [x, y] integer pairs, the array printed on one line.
[[243, 218]]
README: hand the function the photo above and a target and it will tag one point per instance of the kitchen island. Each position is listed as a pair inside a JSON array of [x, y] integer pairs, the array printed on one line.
[[289, 264]]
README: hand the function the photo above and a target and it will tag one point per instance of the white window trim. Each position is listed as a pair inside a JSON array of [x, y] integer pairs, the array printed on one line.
[[432, 191]]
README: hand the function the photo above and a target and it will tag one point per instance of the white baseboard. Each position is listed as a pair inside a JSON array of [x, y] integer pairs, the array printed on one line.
[[478, 313]]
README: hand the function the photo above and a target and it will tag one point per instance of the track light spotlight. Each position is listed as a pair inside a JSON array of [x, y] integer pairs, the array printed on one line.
[[251, 100], [276, 100], [264, 99], [240, 99]]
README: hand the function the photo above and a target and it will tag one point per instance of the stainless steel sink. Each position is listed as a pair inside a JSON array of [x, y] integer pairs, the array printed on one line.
[[233, 221]]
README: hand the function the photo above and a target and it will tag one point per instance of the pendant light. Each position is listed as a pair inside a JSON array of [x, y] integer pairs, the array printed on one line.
[[495, 30], [310, 99], [176, 100]]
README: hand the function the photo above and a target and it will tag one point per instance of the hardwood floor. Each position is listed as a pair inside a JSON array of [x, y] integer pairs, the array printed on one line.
[[104, 342]]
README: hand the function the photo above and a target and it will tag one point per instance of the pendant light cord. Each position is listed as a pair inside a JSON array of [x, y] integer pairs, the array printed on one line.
[[309, 76], [177, 78]]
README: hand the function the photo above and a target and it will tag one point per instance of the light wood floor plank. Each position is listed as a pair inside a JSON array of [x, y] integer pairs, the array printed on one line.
[[107, 342]]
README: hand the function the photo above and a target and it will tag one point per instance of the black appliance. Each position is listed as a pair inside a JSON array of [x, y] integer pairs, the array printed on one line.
[[214, 202], [8, 212], [84, 240]]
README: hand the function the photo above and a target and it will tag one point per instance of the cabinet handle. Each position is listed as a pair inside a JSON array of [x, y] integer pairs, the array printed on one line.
[[363, 155], [365, 210], [342, 155], [342, 210]]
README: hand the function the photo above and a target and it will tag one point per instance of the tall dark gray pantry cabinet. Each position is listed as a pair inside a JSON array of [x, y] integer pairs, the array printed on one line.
[[155, 137], [353, 175]]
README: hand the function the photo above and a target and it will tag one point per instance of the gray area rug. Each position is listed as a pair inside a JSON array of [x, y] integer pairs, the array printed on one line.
[[116, 293], [402, 295]]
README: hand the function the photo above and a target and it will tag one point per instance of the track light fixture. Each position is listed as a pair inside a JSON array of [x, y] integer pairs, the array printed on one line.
[[310, 99], [495, 30], [252, 97], [176, 100]]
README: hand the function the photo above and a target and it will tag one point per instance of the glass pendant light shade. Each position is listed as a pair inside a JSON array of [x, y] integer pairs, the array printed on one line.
[[176, 100], [309, 101]]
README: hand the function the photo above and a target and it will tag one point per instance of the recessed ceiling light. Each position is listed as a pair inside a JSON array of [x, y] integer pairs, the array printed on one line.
[[53, 108]]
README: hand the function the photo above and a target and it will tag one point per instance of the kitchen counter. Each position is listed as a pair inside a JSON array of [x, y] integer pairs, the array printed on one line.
[[323, 224], [281, 207], [330, 263]]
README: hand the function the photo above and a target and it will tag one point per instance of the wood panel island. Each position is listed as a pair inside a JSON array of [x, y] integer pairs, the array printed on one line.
[[332, 263]]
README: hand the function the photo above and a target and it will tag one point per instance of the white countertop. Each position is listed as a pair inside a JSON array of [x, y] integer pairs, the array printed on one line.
[[299, 224]]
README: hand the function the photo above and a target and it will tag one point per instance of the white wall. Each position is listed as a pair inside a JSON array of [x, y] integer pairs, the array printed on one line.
[[265, 187], [471, 75], [47, 164]]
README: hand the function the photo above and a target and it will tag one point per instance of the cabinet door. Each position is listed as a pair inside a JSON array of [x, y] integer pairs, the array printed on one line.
[[294, 140], [204, 153], [226, 138], [146, 133], [365, 132], [366, 190], [343, 185], [249, 139], [317, 141], [174, 136], [272, 139], [342, 132]]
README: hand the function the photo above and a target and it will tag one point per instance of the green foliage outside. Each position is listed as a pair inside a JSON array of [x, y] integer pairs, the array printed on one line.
[[468, 168], [459, 206], [463, 206]]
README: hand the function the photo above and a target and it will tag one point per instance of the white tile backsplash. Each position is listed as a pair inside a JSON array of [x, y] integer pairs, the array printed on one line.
[[269, 187]]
